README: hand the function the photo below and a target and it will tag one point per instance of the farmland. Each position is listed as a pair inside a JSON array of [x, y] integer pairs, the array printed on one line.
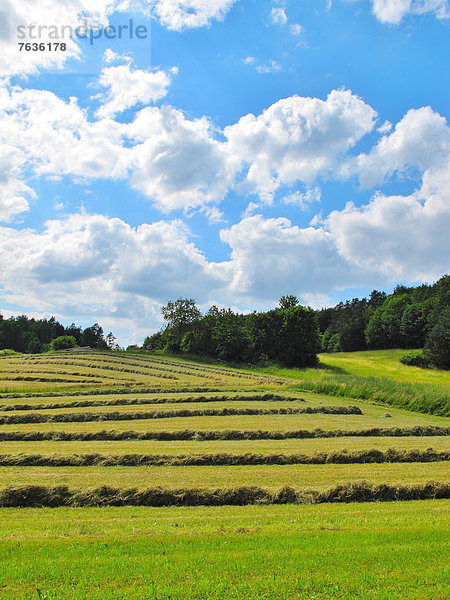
[[154, 477]]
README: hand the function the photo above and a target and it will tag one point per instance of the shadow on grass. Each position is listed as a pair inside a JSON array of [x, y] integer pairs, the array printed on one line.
[[331, 368]]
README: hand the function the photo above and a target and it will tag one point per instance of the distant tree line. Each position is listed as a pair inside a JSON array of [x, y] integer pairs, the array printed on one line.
[[410, 317], [288, 334], [32, 336]]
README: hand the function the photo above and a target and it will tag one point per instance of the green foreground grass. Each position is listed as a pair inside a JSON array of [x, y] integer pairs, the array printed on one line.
[[389, 551]]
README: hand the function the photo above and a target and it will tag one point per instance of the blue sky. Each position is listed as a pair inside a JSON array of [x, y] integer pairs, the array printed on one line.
[[240, 150]]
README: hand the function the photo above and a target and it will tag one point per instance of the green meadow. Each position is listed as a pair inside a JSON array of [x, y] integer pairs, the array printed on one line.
[[364, 551], [373, 424]]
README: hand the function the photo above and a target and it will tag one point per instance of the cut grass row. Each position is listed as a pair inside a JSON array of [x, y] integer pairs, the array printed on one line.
[[272, 477], [149, 400], [363, 491], [85, 417], [122, 362], [260, 422], [223, 459], [25, 435]]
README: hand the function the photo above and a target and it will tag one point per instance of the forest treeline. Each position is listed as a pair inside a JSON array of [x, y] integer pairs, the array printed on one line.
[[288, 334], [291, 334], [33, 336], [410, 317]]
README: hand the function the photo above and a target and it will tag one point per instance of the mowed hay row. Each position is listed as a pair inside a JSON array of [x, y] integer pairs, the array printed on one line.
[[119, 366], [56, 496], [268, 476], [248, 423], [309, 421], [25, 435], [224, 459], [237, 399], [104, 374], [183, 413], [306, 446], [119, 361]]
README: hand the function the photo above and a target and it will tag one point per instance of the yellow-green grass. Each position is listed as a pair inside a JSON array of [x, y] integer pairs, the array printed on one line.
[[116, 368], [149, 398], [127, 523], [373, 416], [304, 446], [271, 477], [236, 422], [394, 551], [164, 407], [382, 364]]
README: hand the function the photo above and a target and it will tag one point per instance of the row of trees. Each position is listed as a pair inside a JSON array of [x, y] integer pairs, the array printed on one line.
[[33, 336], [287, 334], [410, 317], [406, 318]]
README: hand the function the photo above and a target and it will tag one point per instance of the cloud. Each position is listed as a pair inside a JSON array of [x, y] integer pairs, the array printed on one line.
[[92, 266], [272, 257], [297, 139], [390, 239], [278, 16], [272, 66], [184, 14], [296, 29], [176, 161], [127, 87], [70, 14], [305, 199], [419, 141], [55, 137], [394, 11], [14, 193], [183, 163], [399, 238]]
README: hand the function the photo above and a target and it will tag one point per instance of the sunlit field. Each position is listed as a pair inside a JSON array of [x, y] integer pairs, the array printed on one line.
[[226, 483]]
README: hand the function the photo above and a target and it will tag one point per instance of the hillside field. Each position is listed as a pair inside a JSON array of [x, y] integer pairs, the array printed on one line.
[[137, 476]]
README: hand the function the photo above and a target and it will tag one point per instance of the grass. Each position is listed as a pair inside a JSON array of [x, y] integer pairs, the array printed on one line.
[[377, 551], [376, 376], [306, 446], [240, 422], [384, 551], [381, 364], [271, 477], [68, 369]]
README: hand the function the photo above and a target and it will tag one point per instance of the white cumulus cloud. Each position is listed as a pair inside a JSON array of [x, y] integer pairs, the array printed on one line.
[[298, 139], [419, 141], [177, 161], [14, 193], [127, 87]]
